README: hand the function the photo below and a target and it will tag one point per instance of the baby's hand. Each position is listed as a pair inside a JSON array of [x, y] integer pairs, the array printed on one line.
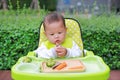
[[61, 51]]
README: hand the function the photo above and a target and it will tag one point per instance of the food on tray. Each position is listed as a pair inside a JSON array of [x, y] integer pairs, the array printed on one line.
[[61, 66], [50, 62], [73, 65], [56, 64], [27, 59], [76, 67]]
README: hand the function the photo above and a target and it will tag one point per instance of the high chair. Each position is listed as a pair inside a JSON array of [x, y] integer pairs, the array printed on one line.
[[96, 69]]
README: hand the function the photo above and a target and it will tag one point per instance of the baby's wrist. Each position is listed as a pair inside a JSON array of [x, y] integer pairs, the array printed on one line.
[[67, 52]]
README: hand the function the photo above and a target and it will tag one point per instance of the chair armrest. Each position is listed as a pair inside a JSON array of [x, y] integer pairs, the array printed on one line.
[[31, 53], [88, 53]]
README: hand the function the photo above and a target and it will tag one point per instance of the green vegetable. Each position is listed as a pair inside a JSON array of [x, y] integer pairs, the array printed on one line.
[[50, 62], [27, 60]]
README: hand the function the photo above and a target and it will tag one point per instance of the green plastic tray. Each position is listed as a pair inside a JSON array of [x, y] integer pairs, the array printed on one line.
[[96, 69]]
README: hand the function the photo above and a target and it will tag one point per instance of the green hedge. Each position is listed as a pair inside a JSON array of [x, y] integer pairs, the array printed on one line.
[[20, 35], [101, 34], [14, 44], [105, 45]]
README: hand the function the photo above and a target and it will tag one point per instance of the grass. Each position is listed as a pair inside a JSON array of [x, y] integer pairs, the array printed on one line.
[[31, 19], [10, 20]]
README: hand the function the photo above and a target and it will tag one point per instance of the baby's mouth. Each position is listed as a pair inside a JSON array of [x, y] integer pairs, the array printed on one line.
[[57, 42]]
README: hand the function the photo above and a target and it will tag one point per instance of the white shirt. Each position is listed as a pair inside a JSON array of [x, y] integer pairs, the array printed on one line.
[[43, 52]]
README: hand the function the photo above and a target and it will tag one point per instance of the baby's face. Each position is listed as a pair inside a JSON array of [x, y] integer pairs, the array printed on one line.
[[55, 32]]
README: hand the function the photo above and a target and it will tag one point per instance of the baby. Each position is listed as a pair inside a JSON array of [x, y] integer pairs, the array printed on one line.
[[57, 44]]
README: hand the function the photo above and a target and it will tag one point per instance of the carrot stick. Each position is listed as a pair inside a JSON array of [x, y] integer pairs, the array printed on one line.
[[62, 65], [76, 67]]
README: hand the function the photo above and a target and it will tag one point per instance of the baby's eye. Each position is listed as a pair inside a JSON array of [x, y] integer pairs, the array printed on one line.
[[52, 34], [59, 32]]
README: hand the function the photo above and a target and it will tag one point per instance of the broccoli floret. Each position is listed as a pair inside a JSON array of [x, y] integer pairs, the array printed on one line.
[[27, 60], [50, 62]]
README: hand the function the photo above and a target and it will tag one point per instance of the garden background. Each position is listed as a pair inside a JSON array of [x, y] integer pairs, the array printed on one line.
[[19, 32]]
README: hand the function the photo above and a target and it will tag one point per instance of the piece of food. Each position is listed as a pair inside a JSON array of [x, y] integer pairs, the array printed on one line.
[[61, 66], [27, 59], [56, 64], [76, 67], [50, 62]]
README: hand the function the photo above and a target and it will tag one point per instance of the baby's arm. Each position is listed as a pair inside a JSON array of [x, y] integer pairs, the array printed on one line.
[[43, 52], [74, 51]]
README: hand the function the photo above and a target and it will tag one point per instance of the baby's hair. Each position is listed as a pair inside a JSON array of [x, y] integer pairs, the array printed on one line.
[[53, 17]]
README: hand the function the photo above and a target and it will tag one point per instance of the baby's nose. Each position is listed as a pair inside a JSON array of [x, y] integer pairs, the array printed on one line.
[[56, 36]]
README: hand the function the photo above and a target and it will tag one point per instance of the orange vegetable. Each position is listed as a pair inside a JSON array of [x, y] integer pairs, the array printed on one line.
[[62, 65], [76, 67]]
